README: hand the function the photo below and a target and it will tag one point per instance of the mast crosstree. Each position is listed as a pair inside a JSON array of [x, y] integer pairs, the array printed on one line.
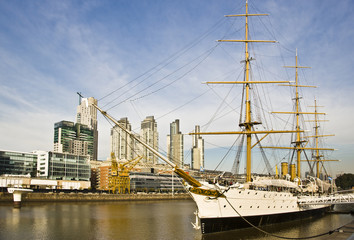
[[248, 124], [317, 157], [298, 143]]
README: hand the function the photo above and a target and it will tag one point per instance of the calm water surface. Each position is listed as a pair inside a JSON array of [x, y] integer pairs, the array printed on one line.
[[134, 220]]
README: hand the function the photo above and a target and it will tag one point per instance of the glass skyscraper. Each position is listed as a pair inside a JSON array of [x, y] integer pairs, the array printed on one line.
[[18, 163], [73, 138]]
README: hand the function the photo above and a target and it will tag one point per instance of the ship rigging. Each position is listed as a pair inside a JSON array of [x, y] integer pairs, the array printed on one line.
[[259, 200]]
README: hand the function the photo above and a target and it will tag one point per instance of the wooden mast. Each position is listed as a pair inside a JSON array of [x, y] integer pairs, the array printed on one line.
[[248, 120], [299, 141], [248, 123], [318, 156]]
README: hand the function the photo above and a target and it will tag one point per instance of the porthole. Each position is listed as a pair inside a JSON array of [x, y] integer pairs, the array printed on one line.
[[248, 193], [268, 206], [240, 206], [224, 206], [250, 206], [257, 206]]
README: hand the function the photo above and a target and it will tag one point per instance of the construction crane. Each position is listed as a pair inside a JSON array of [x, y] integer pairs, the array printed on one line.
[[119, 181]]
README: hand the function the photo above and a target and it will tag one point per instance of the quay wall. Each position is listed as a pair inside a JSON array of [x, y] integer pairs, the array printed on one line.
[[91, 197]]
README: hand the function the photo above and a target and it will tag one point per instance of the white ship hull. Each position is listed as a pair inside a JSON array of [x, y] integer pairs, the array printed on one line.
[[258, 207]]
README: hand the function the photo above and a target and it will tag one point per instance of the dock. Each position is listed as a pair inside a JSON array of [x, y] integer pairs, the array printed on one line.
[[91, 197]]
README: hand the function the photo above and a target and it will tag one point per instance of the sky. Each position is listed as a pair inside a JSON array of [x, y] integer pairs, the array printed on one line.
[[150, 58]]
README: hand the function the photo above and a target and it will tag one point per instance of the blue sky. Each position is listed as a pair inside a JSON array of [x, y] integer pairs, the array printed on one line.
[[156, 54]]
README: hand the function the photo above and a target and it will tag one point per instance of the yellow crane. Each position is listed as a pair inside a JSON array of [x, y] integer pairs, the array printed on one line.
[[119, 181]]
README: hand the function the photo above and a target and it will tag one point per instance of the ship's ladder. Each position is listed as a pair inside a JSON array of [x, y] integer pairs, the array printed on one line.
[[347, 198]]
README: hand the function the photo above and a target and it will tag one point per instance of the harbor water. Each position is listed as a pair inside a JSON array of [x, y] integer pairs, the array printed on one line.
[[135, 220]]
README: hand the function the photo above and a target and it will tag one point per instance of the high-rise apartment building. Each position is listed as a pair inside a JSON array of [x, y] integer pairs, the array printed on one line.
[[87, 115], [121, 142], [175, 144], [197, 150], [149, 134], [73, 138]]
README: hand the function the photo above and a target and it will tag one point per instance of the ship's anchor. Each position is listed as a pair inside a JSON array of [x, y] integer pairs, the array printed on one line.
[[196, 225]]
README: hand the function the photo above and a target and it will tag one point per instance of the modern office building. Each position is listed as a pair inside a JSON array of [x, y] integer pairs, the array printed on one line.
[[175, 144], [87, 115], [18, 163], [198, 151], [149, 134], [150, 182], [73, 138], [63, 166], [43, 169], [121, 143]]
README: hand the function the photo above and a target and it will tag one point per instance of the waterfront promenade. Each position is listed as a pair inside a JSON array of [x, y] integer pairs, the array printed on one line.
[[87, 197]]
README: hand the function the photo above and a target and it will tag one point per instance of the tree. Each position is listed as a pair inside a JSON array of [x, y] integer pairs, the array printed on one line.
[[345, 181]]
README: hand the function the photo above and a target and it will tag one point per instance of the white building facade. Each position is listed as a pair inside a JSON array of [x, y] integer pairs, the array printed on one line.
[[149, 134], [175, 145], [87, 115], [198, 151], [121, 143]]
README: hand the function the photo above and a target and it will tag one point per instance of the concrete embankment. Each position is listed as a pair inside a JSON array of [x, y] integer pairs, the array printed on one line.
[[90, 197]]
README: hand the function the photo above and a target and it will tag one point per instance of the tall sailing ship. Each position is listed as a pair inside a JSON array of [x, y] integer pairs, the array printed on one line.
[[259, 200]]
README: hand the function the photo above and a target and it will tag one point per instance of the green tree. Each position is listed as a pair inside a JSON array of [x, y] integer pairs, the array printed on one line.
[[345, 181]]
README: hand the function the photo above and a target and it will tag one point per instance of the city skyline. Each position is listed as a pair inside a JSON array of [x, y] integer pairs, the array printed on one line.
[[54, 49]]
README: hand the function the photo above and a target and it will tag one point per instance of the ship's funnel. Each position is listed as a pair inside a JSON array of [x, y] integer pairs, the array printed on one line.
[[284, 169], [292, 172]]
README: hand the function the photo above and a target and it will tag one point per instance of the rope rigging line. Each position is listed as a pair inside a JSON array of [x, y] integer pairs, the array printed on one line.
[[227, 153], [178, 54], [167, 61], [207, 54], [213, 118], [179, 78], [146, 164], [181, 106], [236, 165], [174, 56]]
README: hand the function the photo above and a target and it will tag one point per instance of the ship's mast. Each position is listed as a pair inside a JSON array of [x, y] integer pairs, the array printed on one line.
[[299, 141], [318, 156], [248, 123]]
